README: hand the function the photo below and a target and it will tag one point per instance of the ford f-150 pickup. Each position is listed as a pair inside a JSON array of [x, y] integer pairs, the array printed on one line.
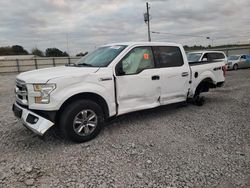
[[112, 80]]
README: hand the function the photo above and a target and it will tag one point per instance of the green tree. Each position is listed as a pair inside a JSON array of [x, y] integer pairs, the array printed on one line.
[[65, 54], [55, 52], [14, 50], [19, 50], [36, 51], [6, 50]]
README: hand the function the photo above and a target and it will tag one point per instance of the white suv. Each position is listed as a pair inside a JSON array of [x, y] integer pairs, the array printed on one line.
[[204, 56]]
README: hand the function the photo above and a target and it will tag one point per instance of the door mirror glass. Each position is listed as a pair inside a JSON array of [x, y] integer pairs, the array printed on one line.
[[204, 59]]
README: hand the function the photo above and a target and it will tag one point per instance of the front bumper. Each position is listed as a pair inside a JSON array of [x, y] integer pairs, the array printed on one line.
[[31, 120]]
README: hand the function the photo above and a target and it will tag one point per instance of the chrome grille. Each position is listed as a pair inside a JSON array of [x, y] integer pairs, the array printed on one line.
[[21, 92]]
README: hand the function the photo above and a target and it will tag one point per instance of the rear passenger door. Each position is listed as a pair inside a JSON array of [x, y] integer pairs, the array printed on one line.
[[174, 74]]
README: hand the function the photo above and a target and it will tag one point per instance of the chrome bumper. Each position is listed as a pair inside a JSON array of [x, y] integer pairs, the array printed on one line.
[[31, 120]]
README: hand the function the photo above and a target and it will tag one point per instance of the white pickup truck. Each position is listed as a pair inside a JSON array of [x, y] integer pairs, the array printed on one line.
[[114, 79]]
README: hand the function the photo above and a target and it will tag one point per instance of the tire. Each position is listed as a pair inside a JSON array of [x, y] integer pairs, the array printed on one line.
[[235, 67], [199, 101], [81, 121]]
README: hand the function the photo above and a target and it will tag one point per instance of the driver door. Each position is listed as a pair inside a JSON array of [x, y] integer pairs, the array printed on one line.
[[137, 81]]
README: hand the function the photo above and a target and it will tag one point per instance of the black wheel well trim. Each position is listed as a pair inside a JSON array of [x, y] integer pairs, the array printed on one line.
[[207, 80], [204, 85], [88, 96]]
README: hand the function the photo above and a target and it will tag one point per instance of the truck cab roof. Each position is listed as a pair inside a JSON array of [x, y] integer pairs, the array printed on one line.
[[144, 44]]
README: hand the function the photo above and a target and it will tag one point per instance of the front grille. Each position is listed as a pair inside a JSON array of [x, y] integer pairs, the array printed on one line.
[[21, 92]]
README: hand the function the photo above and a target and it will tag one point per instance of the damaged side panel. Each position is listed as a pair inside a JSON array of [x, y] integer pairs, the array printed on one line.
[[136, 92]]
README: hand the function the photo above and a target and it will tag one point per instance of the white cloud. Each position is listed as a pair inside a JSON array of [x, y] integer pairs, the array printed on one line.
[[45, 23]]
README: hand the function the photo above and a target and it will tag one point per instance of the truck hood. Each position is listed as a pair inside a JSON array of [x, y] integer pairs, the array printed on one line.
[[44, 75]]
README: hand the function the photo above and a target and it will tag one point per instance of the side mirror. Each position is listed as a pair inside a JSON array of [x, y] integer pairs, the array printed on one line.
[[119, 71], [204, 59]]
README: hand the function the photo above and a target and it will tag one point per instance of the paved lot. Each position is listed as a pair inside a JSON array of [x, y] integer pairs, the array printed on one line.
[[171, 146]]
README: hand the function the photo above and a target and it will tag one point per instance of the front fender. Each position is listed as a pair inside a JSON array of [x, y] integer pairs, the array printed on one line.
[[66, 89]]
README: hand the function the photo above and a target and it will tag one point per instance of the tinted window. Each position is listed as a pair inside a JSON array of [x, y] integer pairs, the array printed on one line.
[[193, 57], [168, 56], [214, 56], [137, 60], [220, 56]]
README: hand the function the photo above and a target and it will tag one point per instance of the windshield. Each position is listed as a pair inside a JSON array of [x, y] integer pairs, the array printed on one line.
[[233, 57], [101, 57], [192, 57]]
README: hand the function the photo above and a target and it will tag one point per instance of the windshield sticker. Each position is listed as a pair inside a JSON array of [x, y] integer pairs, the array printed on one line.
[[146, 56]]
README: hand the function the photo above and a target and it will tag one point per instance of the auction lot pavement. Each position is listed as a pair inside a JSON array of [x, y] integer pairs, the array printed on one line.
[[170, 146]]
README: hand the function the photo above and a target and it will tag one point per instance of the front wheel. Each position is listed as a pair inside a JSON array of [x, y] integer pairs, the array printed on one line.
[[81, 120], [235, 67]]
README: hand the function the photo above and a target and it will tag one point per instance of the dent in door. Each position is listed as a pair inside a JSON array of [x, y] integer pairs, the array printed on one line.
[[137, 96]]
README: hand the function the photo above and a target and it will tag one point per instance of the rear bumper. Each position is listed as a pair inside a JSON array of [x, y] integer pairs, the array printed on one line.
[[31, 120]]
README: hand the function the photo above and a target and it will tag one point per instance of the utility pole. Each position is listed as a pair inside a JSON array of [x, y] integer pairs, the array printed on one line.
[[146, 19], [67, 40]]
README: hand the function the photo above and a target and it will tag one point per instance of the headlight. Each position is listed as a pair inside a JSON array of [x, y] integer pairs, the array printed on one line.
[[45, 90]]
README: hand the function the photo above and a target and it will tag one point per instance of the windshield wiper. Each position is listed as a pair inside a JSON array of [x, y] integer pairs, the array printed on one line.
[[84, 64]]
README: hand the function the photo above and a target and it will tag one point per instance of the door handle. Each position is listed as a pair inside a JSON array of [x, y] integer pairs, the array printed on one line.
[[155, 77], [184, 74]]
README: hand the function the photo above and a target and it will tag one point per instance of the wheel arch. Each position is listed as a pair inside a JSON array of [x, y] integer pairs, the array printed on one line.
[[204, 85], [88, 96]]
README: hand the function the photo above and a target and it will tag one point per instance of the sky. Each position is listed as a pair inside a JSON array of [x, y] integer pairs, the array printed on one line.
[[82, 25]]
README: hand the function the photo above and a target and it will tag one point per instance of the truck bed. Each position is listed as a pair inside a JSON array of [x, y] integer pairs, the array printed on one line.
[[212, 71]]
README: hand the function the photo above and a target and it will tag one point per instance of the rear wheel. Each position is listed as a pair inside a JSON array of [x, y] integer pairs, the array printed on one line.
[[81, 121], [199, 100], [235, 67]]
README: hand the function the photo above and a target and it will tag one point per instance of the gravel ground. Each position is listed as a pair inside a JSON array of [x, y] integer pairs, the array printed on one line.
[[171, 146]]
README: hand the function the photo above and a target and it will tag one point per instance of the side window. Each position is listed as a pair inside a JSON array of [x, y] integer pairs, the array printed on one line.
[[211, 56], [220, 56], [168, 56], [137, 60], [205, 57], [214, 56], [243, 57]]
